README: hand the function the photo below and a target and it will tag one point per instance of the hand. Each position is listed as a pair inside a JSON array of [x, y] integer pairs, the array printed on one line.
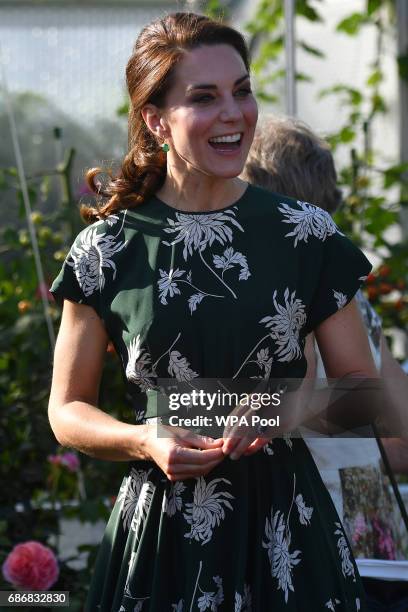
[[235, 445], [182, 454]]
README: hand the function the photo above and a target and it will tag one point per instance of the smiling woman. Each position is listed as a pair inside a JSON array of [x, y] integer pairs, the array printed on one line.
[[193, 274]]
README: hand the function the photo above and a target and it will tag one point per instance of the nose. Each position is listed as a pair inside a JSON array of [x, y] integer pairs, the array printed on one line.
[[230, 110]]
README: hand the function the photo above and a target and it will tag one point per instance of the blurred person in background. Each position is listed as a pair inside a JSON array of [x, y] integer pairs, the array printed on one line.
[[288, 157]]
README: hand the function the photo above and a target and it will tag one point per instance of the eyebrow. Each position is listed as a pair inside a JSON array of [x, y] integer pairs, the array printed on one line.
[[209, 86]]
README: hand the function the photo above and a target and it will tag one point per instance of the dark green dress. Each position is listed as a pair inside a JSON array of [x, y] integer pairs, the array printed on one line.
[[226, 294]]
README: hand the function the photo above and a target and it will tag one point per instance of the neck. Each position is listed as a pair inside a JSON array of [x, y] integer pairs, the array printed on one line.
[[197, 192]]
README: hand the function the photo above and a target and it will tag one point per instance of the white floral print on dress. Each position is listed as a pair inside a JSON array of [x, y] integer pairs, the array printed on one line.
[[346, 565], [330, 605], [139, 369], [135, 496], [212, 599], [91, 253], [341, 298], [278, 538], [207, 509], [305, 513], [310, 220], [285, 326], [243, 603], [229, 259], [172, 500], [196, 231]]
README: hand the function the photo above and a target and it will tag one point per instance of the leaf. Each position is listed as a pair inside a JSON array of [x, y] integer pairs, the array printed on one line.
[[265, 97], [354, 96], [312, 50], [372, 6], [301, 76], [375, 77], [304, 9], [351, 25], [194, 300], [395, 174], [379, 105], [347, 134]]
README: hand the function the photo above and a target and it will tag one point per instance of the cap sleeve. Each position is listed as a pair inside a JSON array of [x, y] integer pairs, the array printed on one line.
[[344, 268], [78, 279]]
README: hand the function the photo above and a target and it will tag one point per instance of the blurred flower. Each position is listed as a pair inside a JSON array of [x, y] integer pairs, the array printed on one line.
[[44, 290], [32, 566], [68, 460], [84, 190], [360, 527], [36, 217], [45, 233], [384, 271], [385, 541], [60, 255], [23, 306], [385, 288]]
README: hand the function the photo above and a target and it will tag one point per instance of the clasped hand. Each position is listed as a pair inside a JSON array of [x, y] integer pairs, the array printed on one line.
[[182, 454]]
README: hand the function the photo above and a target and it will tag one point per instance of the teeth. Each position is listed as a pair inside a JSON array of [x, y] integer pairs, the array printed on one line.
[[232, 138]]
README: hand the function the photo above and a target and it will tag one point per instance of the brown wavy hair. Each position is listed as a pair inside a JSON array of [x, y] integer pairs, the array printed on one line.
[[287, 157], [149, 76]]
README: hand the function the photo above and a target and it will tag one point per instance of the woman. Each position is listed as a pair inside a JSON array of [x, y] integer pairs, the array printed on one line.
[[191, 272]]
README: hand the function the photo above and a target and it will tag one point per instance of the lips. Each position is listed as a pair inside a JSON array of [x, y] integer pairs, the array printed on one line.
[[227, 145]]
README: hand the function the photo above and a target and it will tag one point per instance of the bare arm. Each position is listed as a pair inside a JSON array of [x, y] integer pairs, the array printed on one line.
[[77, 422], [343, 344], [74, 417], [396, 383], [360, 396]]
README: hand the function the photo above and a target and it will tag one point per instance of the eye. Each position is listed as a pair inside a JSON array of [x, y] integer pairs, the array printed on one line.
[[207, 97], [203, 98], [244, 91]]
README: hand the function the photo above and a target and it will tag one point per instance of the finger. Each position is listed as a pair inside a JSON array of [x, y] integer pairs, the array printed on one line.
[[184, 455], [198, 441], [256, 445], [192, 468], [240, 448], [230, 444]]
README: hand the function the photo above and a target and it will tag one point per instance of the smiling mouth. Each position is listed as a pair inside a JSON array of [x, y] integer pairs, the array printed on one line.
[[226, 143]]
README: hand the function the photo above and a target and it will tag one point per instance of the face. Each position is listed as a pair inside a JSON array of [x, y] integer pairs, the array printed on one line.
[[211, 98]]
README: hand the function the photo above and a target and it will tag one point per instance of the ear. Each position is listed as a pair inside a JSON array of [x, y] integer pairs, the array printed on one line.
[[152, 118]]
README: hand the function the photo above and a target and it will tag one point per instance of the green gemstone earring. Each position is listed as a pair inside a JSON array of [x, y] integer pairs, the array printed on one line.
[[165, 147]]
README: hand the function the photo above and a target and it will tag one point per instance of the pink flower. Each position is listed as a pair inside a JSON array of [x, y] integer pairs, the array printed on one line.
[[44, 290], [70, 461], [360, 527], [385, 540], [32, 566], [84, 190], [55, 459]]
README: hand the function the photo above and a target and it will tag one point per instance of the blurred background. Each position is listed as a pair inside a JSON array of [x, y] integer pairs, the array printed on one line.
[[339, 65]]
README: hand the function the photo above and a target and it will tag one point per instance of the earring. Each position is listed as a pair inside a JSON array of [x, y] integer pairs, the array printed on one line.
[[165, 147]]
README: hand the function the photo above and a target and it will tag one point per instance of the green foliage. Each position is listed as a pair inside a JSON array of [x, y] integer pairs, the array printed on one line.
[[352, 24], [26, 439]]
